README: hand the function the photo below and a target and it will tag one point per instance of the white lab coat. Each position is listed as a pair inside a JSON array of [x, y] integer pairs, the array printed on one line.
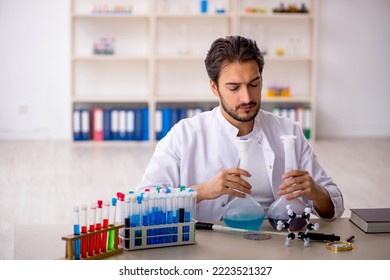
[[197, 148]]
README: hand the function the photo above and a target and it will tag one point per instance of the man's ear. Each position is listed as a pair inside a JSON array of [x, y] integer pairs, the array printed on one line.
[[214, 88]]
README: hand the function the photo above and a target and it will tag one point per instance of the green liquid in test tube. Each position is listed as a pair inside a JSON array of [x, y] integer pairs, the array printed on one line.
[[111, 223]]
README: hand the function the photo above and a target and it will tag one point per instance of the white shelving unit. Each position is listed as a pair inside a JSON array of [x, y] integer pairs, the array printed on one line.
[[161, 44]]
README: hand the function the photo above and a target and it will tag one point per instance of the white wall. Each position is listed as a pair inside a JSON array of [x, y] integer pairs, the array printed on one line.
[[34, 69], [353, 73], [354, 68]]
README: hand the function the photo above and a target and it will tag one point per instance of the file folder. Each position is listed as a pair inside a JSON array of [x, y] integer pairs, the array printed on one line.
[[97, 128]]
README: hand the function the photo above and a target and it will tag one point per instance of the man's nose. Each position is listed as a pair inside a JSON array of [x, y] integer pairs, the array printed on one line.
[[245, 95]]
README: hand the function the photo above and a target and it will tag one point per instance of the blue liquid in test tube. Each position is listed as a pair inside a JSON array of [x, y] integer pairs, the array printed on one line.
[[152, 218], [137, 221], [169, 210], [76, 231], [203, 6], [163, 216]]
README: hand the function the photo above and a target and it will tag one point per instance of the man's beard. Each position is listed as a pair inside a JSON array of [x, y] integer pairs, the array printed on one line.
[[234, 115]]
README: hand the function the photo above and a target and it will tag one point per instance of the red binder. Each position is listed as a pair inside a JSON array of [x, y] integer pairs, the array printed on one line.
[[97, 128]]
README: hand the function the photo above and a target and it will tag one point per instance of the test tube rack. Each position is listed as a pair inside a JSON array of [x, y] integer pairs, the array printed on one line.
[[70, 241], [146, 237]]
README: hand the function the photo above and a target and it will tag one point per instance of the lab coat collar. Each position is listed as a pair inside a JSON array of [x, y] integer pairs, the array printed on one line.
[[231, 130]]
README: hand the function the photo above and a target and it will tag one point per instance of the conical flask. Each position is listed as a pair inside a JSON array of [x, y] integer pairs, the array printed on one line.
[[278, 210], [244, 213]]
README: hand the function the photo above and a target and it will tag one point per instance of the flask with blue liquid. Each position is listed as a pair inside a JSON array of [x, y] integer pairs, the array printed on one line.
[[244, 213]]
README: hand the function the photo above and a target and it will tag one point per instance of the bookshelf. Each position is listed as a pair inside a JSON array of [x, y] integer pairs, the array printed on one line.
[[148, 55]]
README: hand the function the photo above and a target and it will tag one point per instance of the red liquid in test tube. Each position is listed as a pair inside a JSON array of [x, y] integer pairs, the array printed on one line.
[[98, 237], [83, 222], [106, 211], [91, 247]]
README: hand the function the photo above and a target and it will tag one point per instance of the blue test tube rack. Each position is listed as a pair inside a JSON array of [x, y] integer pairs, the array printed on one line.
[[161, 218], [165, 236]]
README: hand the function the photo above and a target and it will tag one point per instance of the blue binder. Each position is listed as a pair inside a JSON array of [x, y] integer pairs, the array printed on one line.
[[107, 124], [145, 124], [115, 124], [167, 121], [122, 124], [158, 124], [85, 125], [137, 124], [77, 125], [182, 113], [130, 130]]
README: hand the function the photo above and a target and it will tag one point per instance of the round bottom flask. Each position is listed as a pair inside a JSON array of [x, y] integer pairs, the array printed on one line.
[[278, 212], [244, 213]]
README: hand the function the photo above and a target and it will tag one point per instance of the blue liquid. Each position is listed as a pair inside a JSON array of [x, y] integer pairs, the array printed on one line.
[[245, 222], [203, 6]]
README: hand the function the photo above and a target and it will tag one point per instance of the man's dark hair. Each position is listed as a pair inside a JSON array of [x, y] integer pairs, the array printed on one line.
[[231, 49]]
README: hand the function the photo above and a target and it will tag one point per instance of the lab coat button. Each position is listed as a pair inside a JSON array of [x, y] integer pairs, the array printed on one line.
[[270, 167], [223, 204]]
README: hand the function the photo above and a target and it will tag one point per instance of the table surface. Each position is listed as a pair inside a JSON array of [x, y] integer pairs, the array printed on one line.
[[44, 242]]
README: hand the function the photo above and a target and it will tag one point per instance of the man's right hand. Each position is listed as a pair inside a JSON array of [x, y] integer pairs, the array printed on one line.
[[227, 181]]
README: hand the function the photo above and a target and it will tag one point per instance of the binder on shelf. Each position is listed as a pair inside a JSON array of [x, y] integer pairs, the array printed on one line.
[[130, 134], [299, 114], [98, 123], [145, 124], [182, 113], [167, 121], [114, 124], [137, 125], [158, 124], [85, 125], [122, 125], [307, 123], [76, 125], [193, 112], [107, 124], [174, 116]]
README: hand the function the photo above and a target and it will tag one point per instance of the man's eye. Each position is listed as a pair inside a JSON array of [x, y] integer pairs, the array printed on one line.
[[233, 88], [253, 85]]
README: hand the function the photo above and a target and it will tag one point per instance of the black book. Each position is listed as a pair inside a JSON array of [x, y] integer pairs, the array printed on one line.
[[371, 220]]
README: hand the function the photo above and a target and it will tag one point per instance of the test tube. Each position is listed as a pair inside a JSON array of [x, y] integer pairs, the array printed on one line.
[[145, 212], [169, 211], [133, 215], [127, 222], [111, 223], [181, 204], [83, 223], [192, 203], [120, 199], [175, 207], [137, 220], [120, 213], [106, 211], [162, 216], [98, 226], [91, 220], [187, 213], [152, 218], [76, 231]]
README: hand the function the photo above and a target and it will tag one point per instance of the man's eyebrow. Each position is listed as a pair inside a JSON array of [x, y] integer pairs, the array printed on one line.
[[253, 80]]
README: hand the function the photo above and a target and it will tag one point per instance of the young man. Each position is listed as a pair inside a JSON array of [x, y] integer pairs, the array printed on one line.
[[201, 153]]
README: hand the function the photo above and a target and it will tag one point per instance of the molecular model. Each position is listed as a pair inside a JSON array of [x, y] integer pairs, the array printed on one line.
[[286, 225]]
